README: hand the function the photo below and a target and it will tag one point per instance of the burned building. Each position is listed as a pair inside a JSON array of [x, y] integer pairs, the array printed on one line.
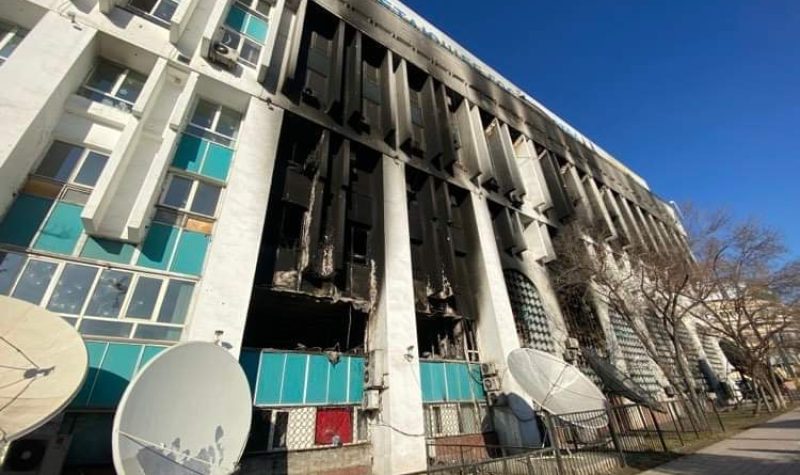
[[355, 206]]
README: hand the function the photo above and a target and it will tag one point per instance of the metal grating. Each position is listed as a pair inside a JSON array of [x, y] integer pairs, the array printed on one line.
[[641, 368], [288, 429], [533, 326], [450, 419]]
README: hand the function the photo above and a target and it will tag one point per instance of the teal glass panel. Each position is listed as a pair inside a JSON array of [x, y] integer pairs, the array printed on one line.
[[294, 379], [356, 379], [236, 18], [270, 378], [190, 253], [338, 381], [476, 381], [115, 374], [62, 229], [217, 162], [256, 29], [454, 383], [433, 382], [149, 352], [158, 246], [95, 350], [23, 219], [108, 250], [190, 153], [317, 386], [249, 359]]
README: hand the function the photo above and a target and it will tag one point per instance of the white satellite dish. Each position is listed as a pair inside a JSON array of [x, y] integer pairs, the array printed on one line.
[[42, 366], [558, 387], [187, 412]]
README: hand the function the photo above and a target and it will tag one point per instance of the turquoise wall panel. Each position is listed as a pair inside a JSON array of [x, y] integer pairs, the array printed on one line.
[[217, 162], [249, 360], [95, 350], [464, 387], [270, 378], [158, 246], [338, 382], [294, 378], [62, 229], [108, 250], [317, 383], [453, 385], [115, 373], [432, 376], [256, 29], [23, 219], [476, 381], [190, 152], [356, 380], [236, 18], [149, 352], [190, 253]]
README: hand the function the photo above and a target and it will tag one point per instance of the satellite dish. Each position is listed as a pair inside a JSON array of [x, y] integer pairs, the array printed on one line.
[[619, 383], [187, 412], [557, 386], [42, 365]]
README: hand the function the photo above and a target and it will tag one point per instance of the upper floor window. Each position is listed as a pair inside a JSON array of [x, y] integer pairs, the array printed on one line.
[[245, 29], [214, 122], [114, 85], [10, 37], [159, 10], [69, 163]]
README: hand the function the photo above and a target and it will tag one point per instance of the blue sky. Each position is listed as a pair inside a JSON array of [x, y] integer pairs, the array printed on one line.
[[701, 98]]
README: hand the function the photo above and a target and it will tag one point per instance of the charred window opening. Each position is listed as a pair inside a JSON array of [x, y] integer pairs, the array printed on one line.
[[439, 245], [296, 322], [446, 338], [319, 234], [580, 317], [318, 78], [508, 230], [416, 85], [367, 100]]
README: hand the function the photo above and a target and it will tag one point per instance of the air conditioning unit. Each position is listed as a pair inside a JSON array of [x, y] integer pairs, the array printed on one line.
[[491, 385], [373, 371], [372, 400], [488, 369], [572, 343], [223, 55]]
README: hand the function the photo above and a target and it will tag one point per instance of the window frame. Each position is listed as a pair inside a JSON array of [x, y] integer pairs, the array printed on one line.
[[195, 185], [249, 8], [76, 319], [227, 140], [70, 180], [119, 103], [151, 14], [14, 31]]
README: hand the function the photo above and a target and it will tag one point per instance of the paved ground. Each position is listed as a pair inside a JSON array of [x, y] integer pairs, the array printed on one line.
[[772, 448]]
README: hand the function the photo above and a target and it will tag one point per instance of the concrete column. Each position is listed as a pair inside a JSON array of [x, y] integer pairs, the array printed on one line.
[[223, 296], [496, 331], [46, 68], [398, 430]]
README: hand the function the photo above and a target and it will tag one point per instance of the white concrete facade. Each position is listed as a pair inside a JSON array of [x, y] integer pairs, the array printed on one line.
[[506, 153]]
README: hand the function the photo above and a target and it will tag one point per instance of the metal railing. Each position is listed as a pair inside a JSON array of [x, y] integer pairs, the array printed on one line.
[[583, 443]]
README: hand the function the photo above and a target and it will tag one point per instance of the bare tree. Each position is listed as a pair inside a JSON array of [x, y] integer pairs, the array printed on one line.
[[647, 287], [745, 290]]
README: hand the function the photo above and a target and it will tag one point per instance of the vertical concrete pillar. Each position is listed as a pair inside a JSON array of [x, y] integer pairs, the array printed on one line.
[[496, 331], [223, 295], [398, 430], [46, 68]]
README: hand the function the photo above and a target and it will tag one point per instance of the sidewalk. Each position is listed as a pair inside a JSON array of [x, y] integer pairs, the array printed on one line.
[[772, 448]]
